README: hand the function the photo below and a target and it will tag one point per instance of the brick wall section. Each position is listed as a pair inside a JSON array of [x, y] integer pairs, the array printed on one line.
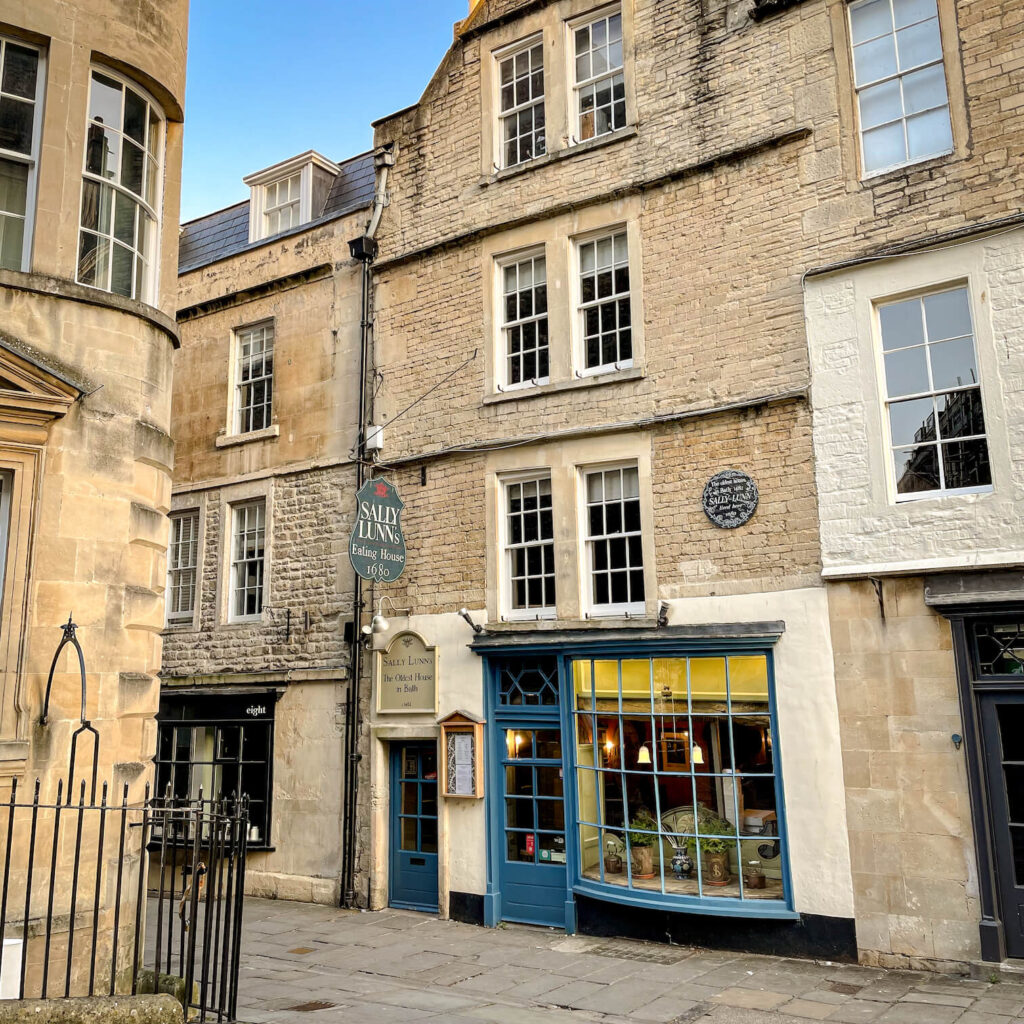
[[311, 521], [778, 549], [915, 886]]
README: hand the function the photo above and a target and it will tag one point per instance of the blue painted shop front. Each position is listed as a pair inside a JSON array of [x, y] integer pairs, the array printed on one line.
[[601, 748]]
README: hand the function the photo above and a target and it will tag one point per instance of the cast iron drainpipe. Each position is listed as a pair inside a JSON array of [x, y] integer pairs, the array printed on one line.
[[363, 249]]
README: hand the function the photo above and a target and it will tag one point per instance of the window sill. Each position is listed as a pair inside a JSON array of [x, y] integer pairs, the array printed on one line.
[[228, 440], [629, 132], [246, 623], [590, 381], [959, 492], [184, 626], [872, 178], [710, 905]]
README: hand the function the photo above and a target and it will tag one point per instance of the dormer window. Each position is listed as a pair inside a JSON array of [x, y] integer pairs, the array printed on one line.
[[281, 205], [289, 194]]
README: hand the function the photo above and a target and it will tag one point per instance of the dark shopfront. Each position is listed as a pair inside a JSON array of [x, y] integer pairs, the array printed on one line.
[[219, 744], [988, 641], [634, 788]]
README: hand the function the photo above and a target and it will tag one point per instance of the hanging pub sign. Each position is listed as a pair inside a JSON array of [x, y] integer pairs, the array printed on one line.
[[407, 676], [730, 499], [377, 547]]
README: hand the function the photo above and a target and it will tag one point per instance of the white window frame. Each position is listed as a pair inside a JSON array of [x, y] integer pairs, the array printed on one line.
[[579, 331], [575, 86], [499, 57], [886, 401], [235, 509], [277, 207], [508, 612], [174, 546], [899, 77], [151, 279], [31, 160], [301, 165], [501, 263], [235, 424], [593, 610]]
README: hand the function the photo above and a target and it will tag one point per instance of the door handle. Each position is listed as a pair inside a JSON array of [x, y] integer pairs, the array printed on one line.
[[418, 862]]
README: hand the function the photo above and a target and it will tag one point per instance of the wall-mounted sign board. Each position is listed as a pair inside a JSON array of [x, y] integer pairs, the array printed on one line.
[[462, 743], [407, 676], [376, 548]]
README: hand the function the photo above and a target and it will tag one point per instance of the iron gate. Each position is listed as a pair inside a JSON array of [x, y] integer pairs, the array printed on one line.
[[114, 898]]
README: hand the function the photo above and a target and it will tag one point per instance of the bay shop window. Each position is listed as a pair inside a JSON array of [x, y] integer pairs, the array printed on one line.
[[675, 776], [651, 774]]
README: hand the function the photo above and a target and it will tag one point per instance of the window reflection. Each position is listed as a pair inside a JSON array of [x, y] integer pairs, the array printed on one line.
[[936, 420]]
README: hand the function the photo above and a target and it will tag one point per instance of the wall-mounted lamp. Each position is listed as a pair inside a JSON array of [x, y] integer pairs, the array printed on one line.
[[464, 612], [957, 740], [378, 624], [662, 614]]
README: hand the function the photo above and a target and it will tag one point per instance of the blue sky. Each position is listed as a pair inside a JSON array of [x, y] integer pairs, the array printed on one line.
[[267, 80]]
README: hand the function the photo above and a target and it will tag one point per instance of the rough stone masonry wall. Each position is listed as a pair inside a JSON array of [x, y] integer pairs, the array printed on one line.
[[778, 548], [710, 81], [712, 335], [915, 881], [310, 521]]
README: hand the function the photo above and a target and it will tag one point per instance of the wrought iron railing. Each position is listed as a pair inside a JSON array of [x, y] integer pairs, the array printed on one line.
[[81, 882]]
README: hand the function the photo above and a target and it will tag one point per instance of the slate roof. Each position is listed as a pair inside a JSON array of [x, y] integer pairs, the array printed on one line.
[[226, 232]]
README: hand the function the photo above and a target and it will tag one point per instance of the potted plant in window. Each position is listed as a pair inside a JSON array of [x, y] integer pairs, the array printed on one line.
[[716, 860], [642, 844]]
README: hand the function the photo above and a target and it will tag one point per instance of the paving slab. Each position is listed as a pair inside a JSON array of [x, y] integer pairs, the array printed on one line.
[[398, 966]]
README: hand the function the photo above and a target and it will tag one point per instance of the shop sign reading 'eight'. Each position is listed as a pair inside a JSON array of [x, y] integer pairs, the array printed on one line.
[[377, 547]]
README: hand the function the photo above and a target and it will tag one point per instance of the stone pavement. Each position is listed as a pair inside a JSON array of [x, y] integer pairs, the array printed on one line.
[[304, 964]]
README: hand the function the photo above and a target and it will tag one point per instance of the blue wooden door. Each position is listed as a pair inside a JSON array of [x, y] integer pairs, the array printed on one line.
[[532, 847], [414, 826]]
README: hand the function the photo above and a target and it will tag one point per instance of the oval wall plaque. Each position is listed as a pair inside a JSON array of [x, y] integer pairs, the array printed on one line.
[[730, 499]]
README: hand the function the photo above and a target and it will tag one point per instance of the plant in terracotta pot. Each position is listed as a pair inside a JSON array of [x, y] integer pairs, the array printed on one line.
[[716, 860], [642, 844]]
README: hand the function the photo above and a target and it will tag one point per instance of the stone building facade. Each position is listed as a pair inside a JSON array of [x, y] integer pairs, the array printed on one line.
[[761, 172], [255, 663], [90, 156]]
